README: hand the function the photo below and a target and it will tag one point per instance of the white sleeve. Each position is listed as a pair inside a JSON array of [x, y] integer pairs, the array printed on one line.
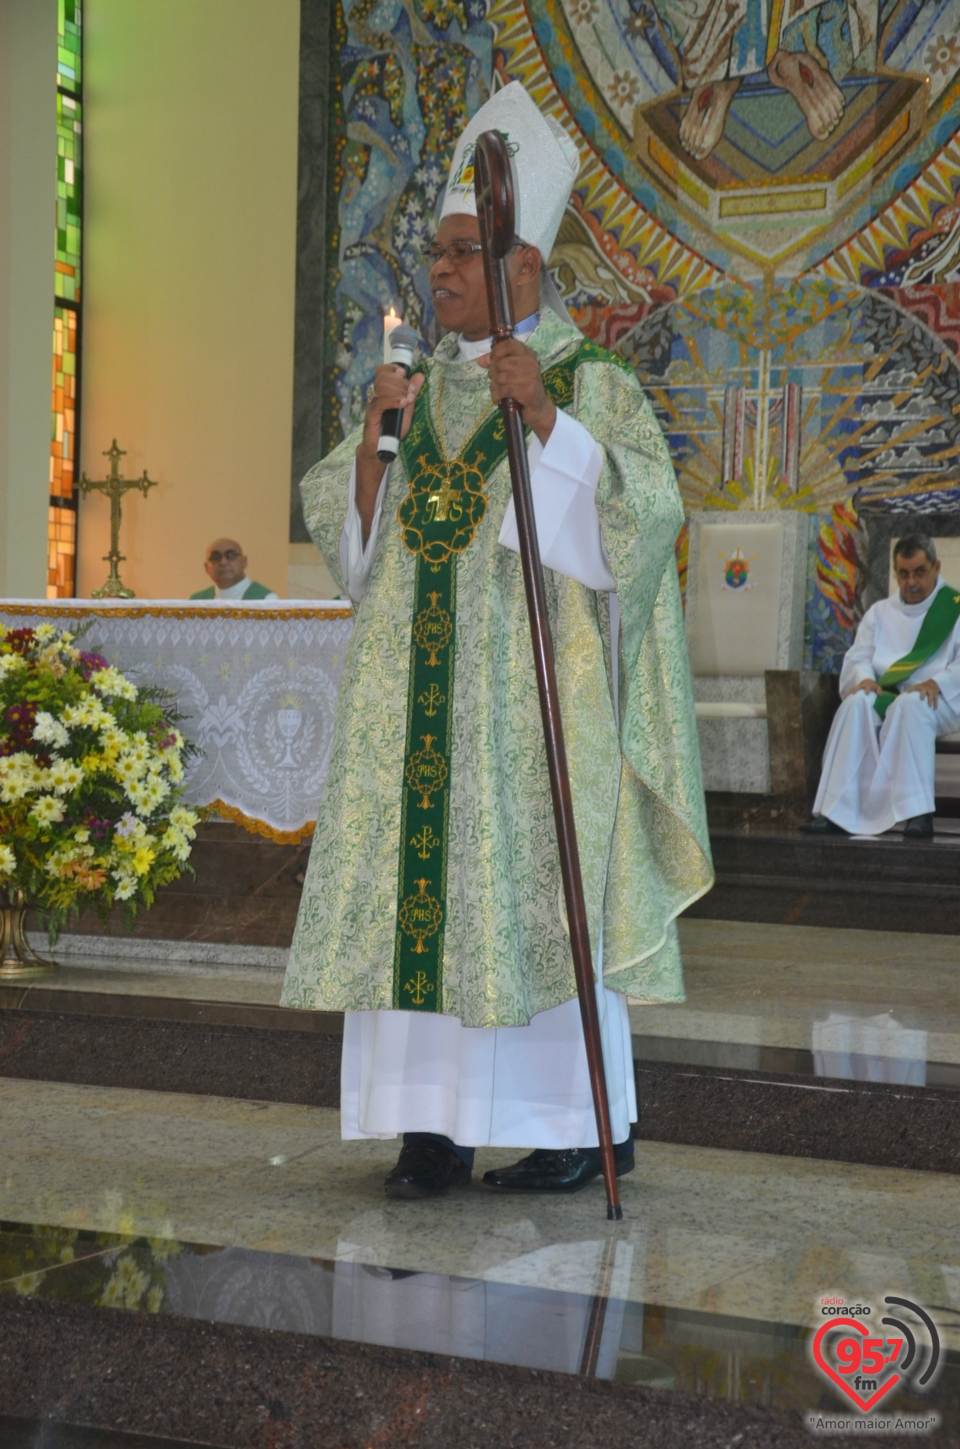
[[858, 660], [355, 559], [949, 682], [948, 678], [563, 479]]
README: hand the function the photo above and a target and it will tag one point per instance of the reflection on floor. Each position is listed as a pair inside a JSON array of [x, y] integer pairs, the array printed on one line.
[[256, 1213], [735, 1233], [876, 1005]]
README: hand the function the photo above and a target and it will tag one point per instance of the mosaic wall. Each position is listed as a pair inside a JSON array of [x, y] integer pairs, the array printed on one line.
[[62, 526], [766, 223]]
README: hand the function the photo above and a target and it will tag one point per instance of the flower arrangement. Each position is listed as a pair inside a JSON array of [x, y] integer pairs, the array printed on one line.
[[91, 772], [111, 1270]]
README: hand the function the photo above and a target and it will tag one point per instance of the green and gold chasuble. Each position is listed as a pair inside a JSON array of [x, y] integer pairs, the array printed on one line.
[[934, 631], [434, 878]]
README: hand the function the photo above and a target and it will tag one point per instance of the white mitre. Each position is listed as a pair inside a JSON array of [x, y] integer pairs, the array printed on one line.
[[545, 164]]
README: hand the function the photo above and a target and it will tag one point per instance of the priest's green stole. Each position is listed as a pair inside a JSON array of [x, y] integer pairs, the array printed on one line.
[[444, 507], [937, 625]]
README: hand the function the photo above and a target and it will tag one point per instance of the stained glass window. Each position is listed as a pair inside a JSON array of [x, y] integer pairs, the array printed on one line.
[[62, 528]]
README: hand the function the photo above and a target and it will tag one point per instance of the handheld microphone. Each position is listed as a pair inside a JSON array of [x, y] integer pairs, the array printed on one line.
[[403, 345]]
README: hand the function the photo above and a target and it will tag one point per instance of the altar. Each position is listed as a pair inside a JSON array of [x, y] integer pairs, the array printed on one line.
[[256, 683]]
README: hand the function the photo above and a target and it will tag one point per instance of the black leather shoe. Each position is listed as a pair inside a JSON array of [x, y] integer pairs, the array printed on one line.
[[919, 828], [426, 1169], [820, 825], [549, 1171]]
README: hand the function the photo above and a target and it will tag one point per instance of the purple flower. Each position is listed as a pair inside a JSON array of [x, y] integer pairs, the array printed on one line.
[[126, 825], [90, 663]]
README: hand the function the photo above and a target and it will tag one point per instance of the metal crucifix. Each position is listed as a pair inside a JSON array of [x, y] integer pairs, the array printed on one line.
[[114, 486]]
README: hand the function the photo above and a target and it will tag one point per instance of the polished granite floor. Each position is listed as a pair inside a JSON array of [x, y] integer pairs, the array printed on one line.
[[872, 1004], [256, 1213], [876, 1005], [735, 1233]]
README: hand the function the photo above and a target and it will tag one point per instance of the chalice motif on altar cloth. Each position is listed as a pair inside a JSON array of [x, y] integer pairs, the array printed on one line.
[[289, 721]]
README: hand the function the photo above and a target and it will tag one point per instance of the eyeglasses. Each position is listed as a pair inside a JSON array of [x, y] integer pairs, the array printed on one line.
[[228, 555], [459, 252]]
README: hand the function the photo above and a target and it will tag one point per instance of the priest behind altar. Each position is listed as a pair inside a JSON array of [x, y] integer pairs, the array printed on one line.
[[432, 910], [900, 689], [226, 563]]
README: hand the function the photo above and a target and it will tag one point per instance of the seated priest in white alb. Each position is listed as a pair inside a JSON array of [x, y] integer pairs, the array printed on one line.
[[900, 689], [226, 563]]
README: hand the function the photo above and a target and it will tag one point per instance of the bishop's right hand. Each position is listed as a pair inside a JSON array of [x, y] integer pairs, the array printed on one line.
[[390, 389]]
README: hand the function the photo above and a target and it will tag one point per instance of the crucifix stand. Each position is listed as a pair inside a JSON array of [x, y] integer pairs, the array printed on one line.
[[114, 486]]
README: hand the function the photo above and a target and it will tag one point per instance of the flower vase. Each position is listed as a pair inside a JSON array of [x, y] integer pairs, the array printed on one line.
[[17, 956]]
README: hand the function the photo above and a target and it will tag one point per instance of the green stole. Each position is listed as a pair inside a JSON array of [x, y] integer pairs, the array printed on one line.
[[438, 518], [252, 591], [937, 624]]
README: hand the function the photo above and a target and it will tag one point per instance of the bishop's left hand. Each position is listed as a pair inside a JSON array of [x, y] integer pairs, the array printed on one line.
[[515, 372], [927, 689]]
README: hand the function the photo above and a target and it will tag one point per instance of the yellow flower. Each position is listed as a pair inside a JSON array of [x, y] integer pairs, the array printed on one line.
[[128, 772], [15, 777], [8, 861], [155, 791], [64, 776], [142, 859], [111, 682], [176, 842], [47, 809], [90, 764], [89, 712], [126, 1287], [110, 732]]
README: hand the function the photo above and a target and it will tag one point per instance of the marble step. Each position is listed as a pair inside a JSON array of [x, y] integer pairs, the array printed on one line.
[[260, 1052]]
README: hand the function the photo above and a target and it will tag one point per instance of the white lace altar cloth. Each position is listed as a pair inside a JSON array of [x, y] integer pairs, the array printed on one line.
[[257, 683]]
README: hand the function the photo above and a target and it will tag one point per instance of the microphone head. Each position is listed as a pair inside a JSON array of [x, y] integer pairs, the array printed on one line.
[[404, 339]]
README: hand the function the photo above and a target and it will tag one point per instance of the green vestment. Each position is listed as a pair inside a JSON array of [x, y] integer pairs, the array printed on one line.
[[252, 591], [937, 625], [636, 782]]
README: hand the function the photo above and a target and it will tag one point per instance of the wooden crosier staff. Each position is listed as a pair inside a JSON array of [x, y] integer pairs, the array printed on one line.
[[493, 186]]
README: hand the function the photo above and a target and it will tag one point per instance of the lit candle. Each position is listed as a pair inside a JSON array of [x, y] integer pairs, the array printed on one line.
[[390, 321]]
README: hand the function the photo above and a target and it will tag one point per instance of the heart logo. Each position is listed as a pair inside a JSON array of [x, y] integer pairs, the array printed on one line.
[[864, 1405]]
